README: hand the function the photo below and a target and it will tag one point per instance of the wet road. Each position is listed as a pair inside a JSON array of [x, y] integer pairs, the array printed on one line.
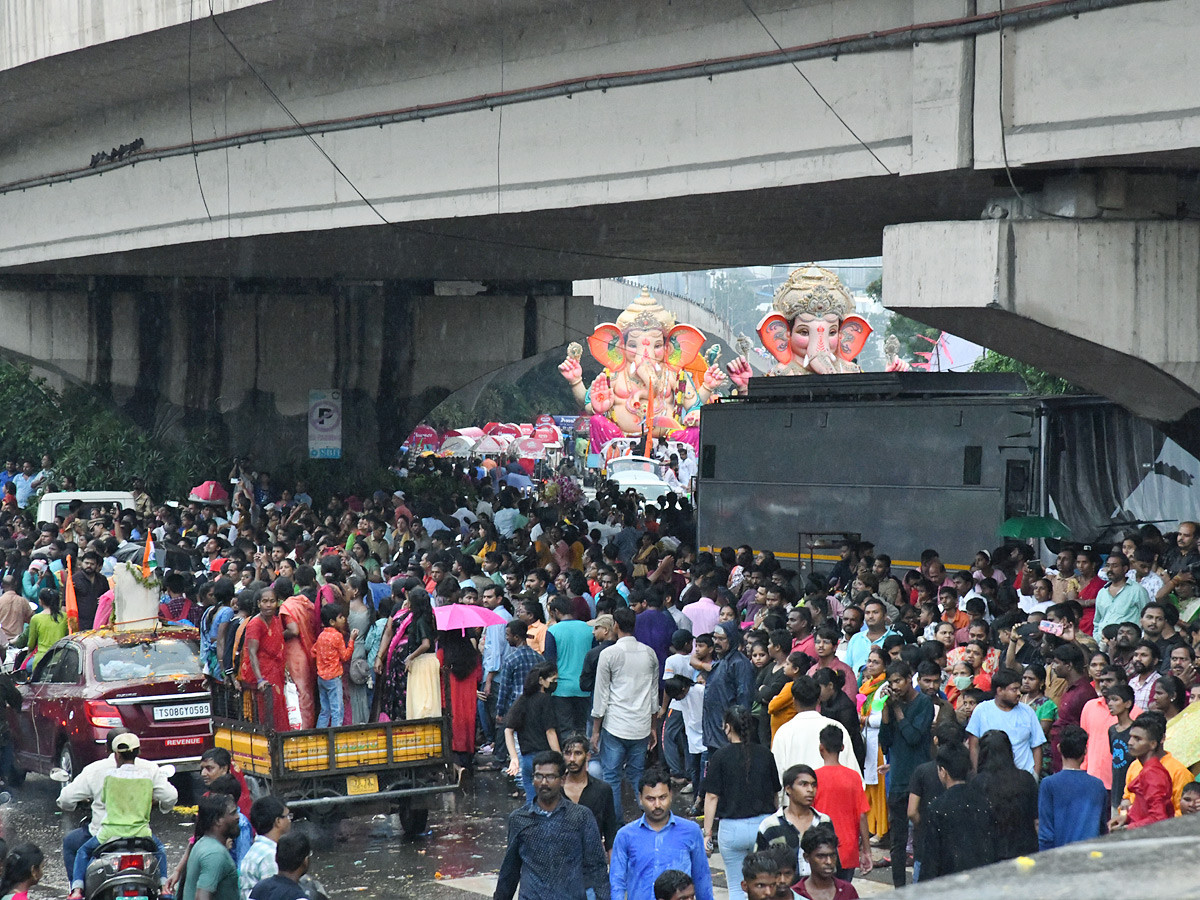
[[365, 855]]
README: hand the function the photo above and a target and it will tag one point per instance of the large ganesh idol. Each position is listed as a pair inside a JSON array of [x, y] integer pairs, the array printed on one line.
[[812, 331], [650, 369]]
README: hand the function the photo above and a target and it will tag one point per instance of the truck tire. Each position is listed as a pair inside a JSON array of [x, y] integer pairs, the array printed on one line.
[[415, 822]]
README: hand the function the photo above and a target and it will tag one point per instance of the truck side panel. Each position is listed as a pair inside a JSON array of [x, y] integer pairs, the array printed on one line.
[[906, 474]]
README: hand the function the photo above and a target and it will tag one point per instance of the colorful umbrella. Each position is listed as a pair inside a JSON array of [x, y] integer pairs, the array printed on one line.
[[463, 616], [1022, 527]]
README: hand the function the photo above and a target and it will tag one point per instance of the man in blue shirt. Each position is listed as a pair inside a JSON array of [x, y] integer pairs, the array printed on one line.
[[1008, 714], [1072, 805], [495, 651], [658, 841], [554, 846]]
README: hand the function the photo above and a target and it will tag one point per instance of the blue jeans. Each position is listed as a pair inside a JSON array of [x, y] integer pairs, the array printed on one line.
[[83, 856], [527, 776], [916, 870], [331, 702], [72, 841], [621, 757], [735, 840]]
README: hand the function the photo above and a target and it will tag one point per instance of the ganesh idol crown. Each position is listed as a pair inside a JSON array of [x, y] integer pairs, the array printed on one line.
[[654, 376], [812, 329]]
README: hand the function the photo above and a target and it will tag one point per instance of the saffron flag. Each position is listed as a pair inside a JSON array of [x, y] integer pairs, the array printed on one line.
[[72, 603], [149, 554]]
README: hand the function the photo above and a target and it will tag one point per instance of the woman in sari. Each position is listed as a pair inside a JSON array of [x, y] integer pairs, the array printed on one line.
[[457, 652], [298, 637], [262, 661], [870, 714], [423, 684], [360, 616]]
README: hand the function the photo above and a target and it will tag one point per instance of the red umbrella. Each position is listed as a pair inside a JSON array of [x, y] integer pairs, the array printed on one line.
[[463, 615], [209, 492]]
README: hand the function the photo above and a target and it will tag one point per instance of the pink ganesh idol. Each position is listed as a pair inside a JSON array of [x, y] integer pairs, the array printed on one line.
[[813, 330], [649, 362]]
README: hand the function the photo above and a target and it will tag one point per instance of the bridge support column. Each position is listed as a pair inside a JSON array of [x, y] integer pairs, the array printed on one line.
[[242, 356], [1113, 306]]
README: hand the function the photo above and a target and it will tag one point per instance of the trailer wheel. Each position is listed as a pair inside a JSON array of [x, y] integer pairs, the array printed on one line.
[[415, 822]]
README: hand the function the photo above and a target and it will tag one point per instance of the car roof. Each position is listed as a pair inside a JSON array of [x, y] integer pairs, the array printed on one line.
[[107, 637], [58, 496]]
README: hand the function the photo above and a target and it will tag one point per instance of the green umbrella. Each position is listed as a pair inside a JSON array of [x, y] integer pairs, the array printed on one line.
[[1022, 527]]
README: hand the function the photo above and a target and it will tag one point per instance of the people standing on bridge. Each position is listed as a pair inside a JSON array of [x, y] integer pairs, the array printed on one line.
[[554, 847]]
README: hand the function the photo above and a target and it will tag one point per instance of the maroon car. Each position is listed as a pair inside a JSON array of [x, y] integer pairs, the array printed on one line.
[[88, 683]]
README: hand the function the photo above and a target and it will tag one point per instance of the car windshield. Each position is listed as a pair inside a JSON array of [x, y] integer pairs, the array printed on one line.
[[623, 466], [157, 659]]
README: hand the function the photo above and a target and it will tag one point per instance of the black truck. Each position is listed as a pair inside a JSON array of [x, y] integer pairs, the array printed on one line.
[[917, 460]]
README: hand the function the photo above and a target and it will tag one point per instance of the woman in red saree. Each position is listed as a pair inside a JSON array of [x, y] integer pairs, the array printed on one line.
[[262, 660]]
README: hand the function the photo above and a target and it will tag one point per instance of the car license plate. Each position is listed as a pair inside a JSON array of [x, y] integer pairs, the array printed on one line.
[[357, 785], [182, 711]]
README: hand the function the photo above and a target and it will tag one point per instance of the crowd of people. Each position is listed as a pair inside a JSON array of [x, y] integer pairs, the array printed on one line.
[[938, 719]]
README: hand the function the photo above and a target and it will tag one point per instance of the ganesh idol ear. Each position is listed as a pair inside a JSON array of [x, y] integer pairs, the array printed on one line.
[[774, 332], [683, 345], [853, 337], [606, 347]]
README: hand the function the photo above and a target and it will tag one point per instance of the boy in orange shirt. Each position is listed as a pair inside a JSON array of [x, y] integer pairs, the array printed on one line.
[[331, 652]]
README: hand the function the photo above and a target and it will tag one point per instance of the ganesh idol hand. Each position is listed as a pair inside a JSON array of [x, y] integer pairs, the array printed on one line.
[[602, 397], [571, 370], [739, 373], [713, 378]]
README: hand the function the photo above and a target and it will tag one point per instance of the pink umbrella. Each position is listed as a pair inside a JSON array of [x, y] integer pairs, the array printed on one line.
[[463, 616], [209, 492]]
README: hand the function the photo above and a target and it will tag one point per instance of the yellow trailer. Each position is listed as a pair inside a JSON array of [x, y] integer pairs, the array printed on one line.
[[323, 769]]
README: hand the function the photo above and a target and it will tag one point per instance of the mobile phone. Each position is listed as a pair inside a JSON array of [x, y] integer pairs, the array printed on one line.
[[1055, 628]]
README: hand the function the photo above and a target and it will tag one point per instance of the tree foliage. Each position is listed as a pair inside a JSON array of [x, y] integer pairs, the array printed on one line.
[[93, 441], [1038, 381]]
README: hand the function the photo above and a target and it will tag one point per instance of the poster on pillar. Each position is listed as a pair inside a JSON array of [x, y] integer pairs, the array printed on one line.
[[325, 424]]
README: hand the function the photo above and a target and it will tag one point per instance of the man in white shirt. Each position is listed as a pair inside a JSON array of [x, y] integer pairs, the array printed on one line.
[[687, 469], [799, 740], [624, 706]]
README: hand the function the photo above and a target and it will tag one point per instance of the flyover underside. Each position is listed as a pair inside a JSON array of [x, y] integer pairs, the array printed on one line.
[[700, 231], [1112, 306]]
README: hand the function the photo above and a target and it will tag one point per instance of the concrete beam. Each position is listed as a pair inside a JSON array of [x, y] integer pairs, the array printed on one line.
[[1113, 306]]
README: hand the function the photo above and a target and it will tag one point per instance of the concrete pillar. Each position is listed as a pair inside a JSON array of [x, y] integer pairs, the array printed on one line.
[[1113, 306], [240, 357]]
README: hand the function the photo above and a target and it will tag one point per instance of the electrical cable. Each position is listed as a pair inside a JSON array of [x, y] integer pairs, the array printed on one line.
[[424, 232], [1021, 198], [191, 120], [500, 122], [888, 39], [820, 96]]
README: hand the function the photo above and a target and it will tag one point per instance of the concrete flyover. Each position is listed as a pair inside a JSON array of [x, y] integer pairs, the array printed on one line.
[[520, 142]]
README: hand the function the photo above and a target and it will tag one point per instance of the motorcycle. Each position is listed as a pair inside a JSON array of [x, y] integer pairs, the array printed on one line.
[[124, 868]]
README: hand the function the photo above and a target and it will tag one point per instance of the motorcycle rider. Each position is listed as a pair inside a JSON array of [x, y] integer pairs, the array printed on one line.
[[122, 790]]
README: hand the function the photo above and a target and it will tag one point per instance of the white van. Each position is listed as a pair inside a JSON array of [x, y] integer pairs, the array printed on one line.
[[57, 505]]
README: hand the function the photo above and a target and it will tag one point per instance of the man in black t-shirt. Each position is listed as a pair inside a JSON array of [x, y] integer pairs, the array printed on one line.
[[925, 786], [292, 857]]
